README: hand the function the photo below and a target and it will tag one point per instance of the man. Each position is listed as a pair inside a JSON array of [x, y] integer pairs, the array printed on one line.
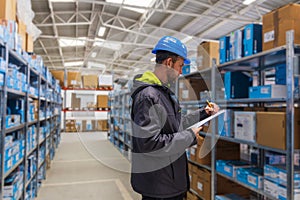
[[160, 137]]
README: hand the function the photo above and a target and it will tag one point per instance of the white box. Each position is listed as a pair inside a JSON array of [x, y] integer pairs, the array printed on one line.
[[245, 126], [282, 193], [271, 188], [105, 80]]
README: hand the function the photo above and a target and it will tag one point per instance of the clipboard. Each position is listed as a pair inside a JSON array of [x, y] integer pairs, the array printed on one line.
[[202, 122]]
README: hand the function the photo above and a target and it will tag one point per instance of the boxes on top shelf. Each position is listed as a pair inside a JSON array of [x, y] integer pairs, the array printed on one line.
[[8, 9], [59, 75], [74, 79], [252, 39], [236, 45], [105, 80], [206, 52], [224, 49], [90, 81], [277, 22]]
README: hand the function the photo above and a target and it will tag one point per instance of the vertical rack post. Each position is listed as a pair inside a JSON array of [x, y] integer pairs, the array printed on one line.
[[4, 52], [290, 114], [213, 137]]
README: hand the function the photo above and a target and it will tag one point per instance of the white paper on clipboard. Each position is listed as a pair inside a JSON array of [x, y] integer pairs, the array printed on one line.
[[202, 122]]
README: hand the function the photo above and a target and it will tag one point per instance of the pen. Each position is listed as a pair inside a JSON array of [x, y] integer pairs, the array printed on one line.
[[209, 104]]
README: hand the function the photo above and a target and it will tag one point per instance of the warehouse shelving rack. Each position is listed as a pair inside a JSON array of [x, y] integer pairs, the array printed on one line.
[[120, 133], [96, 113], [288, 54], [52, 102]]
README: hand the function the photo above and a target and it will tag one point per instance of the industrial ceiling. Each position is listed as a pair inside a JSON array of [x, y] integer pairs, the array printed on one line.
[[116, 36]]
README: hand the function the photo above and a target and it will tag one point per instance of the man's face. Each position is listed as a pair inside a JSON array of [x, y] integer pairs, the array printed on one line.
[[175, 69]]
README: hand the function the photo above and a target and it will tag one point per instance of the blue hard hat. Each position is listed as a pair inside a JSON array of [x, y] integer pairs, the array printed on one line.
[[172, 44]]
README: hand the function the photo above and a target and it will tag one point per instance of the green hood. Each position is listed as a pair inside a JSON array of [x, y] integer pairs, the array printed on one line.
[[150, 78]]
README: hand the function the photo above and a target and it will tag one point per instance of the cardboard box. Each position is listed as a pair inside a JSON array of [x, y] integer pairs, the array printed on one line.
[[102, 125], [59, 75], [29, 43], [225, 151], [22, 33], [273, 125], [90, 81], [191, 196], [102, 101], [74, 79], [206, 52], [204, 183], [193, 150], [189, 89], [8, 9], [277, 22], [75, 102]]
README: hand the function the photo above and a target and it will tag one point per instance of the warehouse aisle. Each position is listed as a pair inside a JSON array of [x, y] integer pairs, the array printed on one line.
[[77, 175]]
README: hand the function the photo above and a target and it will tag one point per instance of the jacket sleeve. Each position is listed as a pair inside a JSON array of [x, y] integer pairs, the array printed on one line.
[[193, 117], [149, 136]]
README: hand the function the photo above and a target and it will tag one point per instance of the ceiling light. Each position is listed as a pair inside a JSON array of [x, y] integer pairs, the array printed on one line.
[[94, 54], [101, 31], [144, 3], [107, 44], [96, 65], [63, 42], [71, 64], [248, 2]]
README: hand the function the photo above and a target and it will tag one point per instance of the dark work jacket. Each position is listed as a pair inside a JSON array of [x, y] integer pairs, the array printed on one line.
[[159, 162]]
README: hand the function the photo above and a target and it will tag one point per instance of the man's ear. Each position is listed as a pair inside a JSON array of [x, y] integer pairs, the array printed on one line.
[[169, 62]]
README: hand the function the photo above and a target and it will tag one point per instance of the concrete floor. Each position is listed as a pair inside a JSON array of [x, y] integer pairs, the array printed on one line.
[[87, 166]]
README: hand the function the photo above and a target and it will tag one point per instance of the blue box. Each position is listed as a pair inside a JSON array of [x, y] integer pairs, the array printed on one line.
[[236, 85], [8, 121], [10, 82], [229, 197], [224, 49], [252, 176], [229, 167], [282, 191], [236, 45], [2, 65], [186, 69], [225, 124], [267, 91], [2, 79], [252, 39]]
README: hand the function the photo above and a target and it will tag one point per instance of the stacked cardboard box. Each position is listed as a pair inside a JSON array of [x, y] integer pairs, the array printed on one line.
[[59, 75], [189, 89], [90, 81], [71, 126], [75, 102], [102, 101], [277, 22], [102, 125], [206, 52], [74, 79], [8, 9]]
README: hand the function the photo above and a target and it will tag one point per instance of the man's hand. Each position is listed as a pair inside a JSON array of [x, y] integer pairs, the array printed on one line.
[[196, 132], [213, 109]]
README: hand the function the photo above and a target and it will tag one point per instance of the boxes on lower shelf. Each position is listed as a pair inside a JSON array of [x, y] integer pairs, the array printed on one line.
[[229, 197], [229, 167], [252, 176]]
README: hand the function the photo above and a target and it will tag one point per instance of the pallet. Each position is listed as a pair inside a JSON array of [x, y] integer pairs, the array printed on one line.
[[103, 109], [105, 87]]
